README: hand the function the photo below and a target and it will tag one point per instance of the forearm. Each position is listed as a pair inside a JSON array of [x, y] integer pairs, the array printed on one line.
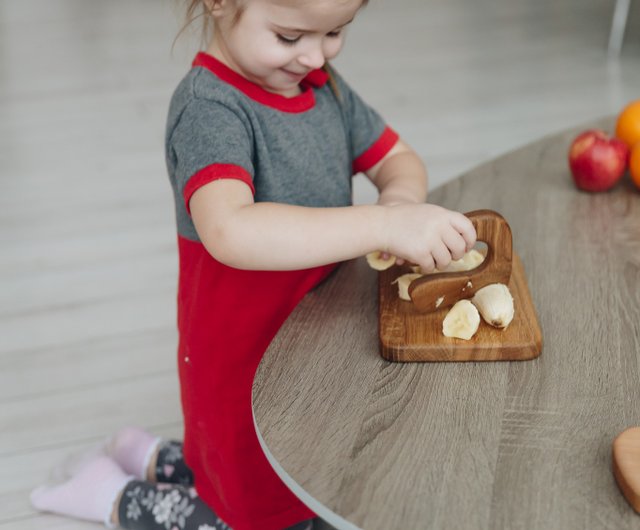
[[402, 178], [270, 236]]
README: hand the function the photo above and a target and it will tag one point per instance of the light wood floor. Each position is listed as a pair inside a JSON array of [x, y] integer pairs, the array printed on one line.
[[87, 240]]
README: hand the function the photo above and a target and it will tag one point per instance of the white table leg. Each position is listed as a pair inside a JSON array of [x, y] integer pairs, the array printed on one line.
[[618, 25]]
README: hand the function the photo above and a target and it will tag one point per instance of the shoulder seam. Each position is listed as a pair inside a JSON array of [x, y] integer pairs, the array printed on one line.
[[194, 97]]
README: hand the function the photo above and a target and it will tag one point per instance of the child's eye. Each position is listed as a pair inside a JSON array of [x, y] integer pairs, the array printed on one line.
[[334, 33], [290, 41]]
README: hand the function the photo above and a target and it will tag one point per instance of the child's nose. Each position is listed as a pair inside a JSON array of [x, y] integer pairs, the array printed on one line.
[[312, 57]]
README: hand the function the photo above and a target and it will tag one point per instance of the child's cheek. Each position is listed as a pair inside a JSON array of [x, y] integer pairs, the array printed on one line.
[[274, 57], [332, 48]]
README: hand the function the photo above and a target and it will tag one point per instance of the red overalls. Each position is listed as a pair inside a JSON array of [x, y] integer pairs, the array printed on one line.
[[227, 318]]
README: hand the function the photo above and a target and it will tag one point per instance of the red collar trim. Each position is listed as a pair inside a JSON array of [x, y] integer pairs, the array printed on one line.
[[316, 78], [300, 103]]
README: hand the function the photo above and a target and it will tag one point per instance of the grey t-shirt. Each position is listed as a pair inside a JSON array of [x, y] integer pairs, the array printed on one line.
[[302, 150]]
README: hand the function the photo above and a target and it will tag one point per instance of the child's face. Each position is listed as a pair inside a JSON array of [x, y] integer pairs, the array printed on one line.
[[276, 43]]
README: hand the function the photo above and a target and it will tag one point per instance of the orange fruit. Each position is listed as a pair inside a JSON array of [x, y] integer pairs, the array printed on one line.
[[628, 124], [634, 164]]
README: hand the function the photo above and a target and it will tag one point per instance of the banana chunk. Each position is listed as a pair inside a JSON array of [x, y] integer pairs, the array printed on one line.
[[462, 321], [469, 261], [376, 262], [495, 304], [403, 284], [472, 259]]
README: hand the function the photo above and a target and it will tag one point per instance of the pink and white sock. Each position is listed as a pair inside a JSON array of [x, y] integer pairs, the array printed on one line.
[[74, 462], [132, 448], [90, 494]]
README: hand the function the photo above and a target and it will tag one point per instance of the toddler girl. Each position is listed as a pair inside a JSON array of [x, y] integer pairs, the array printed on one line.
[[263, 137]]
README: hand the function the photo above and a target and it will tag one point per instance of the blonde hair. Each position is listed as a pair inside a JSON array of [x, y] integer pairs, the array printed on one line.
[[196, 9]]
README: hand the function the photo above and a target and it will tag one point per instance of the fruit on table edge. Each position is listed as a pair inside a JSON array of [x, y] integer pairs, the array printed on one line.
[[597, 161], [628, 124], [634, 165]]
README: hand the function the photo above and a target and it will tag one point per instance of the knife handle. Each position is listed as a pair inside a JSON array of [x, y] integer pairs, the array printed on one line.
[[436, 291]]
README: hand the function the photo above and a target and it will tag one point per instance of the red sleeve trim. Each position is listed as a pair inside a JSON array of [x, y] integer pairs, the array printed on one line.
[[377, 151], [215, 172]]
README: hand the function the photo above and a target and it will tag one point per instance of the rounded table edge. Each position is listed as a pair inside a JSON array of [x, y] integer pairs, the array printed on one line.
[[320, 509]]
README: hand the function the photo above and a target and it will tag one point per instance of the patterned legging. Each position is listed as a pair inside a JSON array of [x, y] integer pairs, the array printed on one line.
[[171, 503]]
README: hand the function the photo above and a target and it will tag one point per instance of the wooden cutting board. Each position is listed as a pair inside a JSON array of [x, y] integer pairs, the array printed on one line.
[[407, 335]]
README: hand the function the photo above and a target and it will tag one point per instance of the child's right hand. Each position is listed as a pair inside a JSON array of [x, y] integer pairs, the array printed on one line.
[[428, 235]]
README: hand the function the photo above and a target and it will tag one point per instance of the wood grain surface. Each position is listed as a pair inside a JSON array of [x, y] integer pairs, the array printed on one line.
[[408, 336], [522, 445]]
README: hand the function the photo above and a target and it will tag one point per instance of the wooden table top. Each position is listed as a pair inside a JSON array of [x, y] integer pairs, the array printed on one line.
[[378, 445]]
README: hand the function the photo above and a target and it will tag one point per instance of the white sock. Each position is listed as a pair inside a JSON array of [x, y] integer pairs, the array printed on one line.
[[74, 462], [132, 448], [90, 494]]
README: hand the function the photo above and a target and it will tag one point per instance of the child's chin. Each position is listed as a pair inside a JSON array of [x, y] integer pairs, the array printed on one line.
[[283, 89]]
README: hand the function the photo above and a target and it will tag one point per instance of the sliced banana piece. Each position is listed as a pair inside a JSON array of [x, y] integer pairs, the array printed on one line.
[[469, 261], [495, 304], [403, 284], [462, 321], [472, 259], [376, 261]]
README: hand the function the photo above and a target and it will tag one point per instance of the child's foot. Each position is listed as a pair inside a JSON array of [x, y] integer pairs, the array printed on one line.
[[73, 463], [90, 494], [131, 448]]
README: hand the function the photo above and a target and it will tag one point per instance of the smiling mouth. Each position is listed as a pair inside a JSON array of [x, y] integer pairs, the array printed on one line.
[[294, 74]]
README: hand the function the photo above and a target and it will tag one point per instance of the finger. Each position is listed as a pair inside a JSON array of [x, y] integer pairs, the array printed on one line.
[[465, 228], [441, 256], [399, 261], [427, 265], [455, 243]]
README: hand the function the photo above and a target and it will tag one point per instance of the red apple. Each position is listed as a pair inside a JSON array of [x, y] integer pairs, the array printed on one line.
[[597, 161]]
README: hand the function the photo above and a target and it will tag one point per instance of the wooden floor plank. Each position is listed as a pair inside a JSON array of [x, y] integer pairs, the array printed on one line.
[[130, 314], [49, 370], [94, 410]]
